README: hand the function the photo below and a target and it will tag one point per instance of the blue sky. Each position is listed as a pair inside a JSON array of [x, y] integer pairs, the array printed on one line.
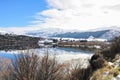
[[17, 13]]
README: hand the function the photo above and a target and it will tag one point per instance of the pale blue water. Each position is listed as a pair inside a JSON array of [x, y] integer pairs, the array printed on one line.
[[10, 54]]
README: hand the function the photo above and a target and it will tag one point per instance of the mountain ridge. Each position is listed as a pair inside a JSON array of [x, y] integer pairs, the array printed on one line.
[[108, 33], [103, 33]]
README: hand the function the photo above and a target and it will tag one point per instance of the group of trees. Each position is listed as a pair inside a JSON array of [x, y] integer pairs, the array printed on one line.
[[10, 41], [114, 49]]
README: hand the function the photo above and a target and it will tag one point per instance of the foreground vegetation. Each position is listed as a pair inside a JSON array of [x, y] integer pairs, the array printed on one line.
[[31, 66]]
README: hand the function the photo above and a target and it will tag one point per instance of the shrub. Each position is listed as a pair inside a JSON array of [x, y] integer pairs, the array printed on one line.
[[5, 70], [49, 69], [97, 61], [114, 49], [78, 73], [97, 75], [25, 67], [116, 71], [31, 66]]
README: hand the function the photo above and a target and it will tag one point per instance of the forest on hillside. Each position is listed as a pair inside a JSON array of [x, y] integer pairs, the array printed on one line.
[[10, 41]]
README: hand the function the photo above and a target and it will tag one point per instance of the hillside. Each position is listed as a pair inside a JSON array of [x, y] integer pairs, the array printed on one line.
[[95, 34], [108, 33], [104, 34], [10, 41]]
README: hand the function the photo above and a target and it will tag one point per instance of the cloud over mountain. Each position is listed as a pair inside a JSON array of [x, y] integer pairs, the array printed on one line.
[[79, 14]]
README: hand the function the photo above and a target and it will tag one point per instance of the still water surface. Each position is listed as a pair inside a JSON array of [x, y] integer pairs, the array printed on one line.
[[62, 54]]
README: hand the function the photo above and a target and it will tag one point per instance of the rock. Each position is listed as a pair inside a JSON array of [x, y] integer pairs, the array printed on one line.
[[117, 64], [113, 79], [118, 77], [110, 63], [106, 73]]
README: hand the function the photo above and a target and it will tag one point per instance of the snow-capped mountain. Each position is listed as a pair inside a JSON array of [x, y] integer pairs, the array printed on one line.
[[87, 34], [45, 32], [3, 32], [104, 33], [111, 34]]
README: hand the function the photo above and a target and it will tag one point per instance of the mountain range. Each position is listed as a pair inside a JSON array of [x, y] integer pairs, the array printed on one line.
[[108, 33], [103, 33]]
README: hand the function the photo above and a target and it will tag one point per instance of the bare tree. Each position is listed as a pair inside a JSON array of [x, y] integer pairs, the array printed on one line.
[[5, 69], [78, 73], [50, 69], [31, 66], [25, 67]]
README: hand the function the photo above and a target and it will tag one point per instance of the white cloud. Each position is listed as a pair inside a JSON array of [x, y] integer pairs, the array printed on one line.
[[80, 14], [18, 30], [75, 14]]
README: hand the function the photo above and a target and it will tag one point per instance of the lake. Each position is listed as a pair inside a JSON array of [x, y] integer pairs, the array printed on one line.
[[62, 54]]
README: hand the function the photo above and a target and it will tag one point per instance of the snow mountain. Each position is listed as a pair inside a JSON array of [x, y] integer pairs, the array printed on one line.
[[108, 33], [103, 34], [45, 32], [3, 32]]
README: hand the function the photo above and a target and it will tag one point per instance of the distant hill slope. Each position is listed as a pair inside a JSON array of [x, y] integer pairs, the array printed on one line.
[[10, 41], [95, 34], [104, 33], [110, 34], [45, 32]]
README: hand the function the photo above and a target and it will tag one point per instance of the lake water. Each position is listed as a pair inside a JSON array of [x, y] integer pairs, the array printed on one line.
[[62, 54]]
